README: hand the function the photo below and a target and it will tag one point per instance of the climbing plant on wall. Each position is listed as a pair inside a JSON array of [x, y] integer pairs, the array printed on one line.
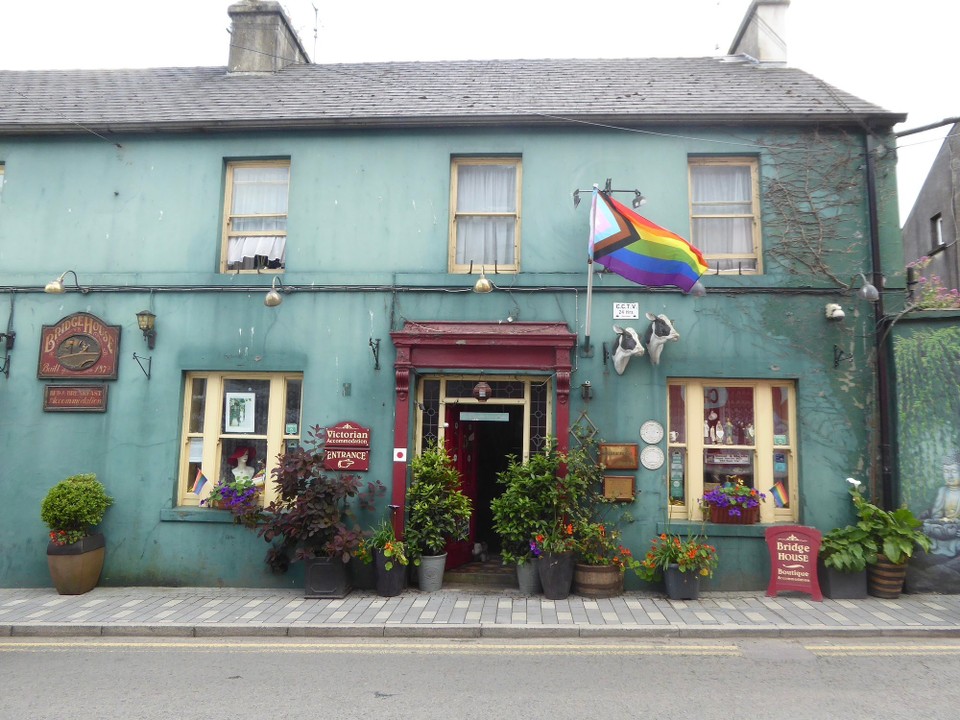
[[928, 390]]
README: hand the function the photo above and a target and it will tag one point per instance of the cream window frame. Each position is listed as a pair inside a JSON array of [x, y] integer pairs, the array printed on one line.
[[754, 216], [227, 232], [464, 268], [763, 448], [213, 433]]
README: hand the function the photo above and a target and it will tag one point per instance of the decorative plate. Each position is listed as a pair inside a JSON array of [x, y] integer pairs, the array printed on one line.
[[651, 432], [651, 457]]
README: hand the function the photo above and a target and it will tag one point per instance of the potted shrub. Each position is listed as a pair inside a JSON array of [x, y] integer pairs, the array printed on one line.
[[525, 510], [842, 569], [362, 571], [312, 518], [390, 559], [437, 513], [733, 504], [75, 554], [896, 534], [681, 562]]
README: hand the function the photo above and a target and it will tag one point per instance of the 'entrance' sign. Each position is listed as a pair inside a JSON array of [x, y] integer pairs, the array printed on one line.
[[347, 447], [793, 560]]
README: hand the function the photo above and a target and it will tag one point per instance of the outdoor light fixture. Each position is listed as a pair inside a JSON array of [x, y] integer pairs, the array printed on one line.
[[56, 287], [586, 390], [868, 291], [482, 285], [146, 321], [698, 290], [482, 391], [638, 199], [273, 298]]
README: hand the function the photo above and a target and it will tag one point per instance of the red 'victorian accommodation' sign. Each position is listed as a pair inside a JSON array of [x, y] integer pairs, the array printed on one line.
[[79, 346], [793, 560], [347, 447]]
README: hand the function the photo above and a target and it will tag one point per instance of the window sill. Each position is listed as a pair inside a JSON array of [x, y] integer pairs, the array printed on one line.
[[709, 529], [195, 514]]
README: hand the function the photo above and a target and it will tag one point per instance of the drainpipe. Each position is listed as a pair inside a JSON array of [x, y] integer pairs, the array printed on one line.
[[888, 489]]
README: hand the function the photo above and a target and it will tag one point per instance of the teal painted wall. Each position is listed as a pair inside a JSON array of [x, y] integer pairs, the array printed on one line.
[[371, 209]]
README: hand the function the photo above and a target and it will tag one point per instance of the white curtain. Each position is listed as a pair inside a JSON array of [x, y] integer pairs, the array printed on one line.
[[724, 190], [259, 191], [484, 189]]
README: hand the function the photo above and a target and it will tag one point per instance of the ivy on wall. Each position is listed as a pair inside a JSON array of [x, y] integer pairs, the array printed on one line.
[[928, 389]]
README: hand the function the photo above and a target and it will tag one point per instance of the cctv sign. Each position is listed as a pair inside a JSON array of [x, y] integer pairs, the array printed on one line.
[[626, 311]]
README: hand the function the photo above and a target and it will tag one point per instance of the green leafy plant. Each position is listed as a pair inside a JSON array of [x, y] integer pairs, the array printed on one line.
[[526, 508], [690, 554], [364, 551], [848, 549], [930, 293], [313, 515], [384, 540], [438, 510], [73, 507], [896, 533]]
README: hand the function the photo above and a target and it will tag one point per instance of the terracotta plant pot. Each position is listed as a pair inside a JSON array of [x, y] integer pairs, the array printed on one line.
[[747, 516]]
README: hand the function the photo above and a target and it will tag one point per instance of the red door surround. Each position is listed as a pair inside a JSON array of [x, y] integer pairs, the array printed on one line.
[[522, 347]]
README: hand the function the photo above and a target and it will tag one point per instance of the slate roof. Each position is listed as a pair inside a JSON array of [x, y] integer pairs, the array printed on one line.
[[627, 92]]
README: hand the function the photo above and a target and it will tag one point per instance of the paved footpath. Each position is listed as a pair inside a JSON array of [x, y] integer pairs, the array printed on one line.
[[463, 613]]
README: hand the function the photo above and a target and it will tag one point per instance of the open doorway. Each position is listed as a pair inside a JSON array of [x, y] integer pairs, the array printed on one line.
[[480, 436]]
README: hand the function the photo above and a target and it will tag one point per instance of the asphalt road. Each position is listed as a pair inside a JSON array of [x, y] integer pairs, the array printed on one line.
[[240, 679]]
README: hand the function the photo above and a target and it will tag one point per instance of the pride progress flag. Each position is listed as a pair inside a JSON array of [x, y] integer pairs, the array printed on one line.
[[635, 248]]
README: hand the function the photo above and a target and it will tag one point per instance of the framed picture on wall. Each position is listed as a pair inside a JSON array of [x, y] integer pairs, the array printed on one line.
[[238, 413]]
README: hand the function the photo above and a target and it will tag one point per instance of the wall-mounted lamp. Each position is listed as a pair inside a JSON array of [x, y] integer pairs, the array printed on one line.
[[56, 287], [638, 199], [586, 390], [698, 289], [482, 285], [482, 391], [273, 297], [834, 312], [868, 291], [146, 321]]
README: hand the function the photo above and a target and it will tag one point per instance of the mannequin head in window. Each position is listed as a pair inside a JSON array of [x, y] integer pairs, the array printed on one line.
[[242, 462]]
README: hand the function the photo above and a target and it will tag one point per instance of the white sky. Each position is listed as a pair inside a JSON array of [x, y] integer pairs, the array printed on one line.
[[897, 55]]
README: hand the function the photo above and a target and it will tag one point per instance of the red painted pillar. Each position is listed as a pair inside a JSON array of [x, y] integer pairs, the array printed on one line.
[[401, 438]]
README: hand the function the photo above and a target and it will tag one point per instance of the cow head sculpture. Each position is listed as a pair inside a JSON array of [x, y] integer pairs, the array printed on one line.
[[625, 347], [661, 331]]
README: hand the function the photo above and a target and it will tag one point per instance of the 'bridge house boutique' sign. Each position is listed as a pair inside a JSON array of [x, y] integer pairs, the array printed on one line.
[[348, 447], [79, 346], [793, 560]]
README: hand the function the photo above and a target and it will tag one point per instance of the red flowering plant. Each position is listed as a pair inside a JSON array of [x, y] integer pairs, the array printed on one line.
[[690, 554], [556, 541], [599, 544], [384, 540]]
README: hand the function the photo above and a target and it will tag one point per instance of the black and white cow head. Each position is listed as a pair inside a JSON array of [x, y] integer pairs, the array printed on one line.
[[626, 346], [661, 331]]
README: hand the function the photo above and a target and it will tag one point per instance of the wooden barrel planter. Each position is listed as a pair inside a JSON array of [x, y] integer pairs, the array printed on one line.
[[597, 581], [885, 579]]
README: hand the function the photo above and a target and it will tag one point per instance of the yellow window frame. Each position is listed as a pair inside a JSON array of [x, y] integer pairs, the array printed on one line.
[[463, 268], [753, 216], [763, 447], [227, 231], [212, 434]]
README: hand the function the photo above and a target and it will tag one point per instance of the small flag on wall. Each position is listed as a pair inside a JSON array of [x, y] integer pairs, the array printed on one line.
[[637, 249], [779, 493], [199, 482]]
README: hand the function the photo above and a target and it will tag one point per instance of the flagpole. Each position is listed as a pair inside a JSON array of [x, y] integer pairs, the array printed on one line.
[[587, 350]]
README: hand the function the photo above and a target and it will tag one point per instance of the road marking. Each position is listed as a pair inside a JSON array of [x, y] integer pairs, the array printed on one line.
[[882, 650], [381, 648]]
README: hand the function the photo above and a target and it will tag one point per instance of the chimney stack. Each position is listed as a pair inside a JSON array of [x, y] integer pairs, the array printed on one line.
[[763, 32], [261, 38]]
